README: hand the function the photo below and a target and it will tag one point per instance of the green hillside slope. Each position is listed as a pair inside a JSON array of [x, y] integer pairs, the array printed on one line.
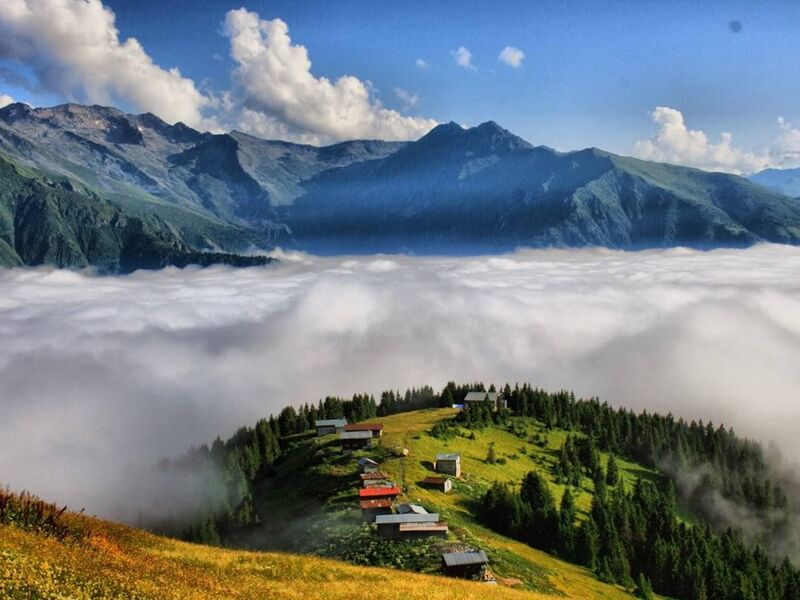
[[52, 221], [311, 504]]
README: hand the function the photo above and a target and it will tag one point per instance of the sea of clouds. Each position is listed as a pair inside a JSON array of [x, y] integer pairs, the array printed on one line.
[[100, 376]]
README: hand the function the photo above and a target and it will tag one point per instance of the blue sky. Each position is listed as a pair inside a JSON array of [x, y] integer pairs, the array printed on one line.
[[592, 72]]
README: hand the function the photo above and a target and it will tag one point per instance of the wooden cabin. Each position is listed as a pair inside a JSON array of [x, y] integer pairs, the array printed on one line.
[[376, 429], [375, 479], [495, 399], [443, 484], [449, 464], [355, 440], [467, 565], [326, 426], [367, 465], [410, 526], [370, 509]]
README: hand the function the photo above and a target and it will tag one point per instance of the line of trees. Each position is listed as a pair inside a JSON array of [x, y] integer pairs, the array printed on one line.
[[709, 465], [635, 539]]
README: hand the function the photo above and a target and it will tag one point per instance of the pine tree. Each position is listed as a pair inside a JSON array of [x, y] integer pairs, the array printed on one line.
[[643, 588], [566, 524], [612, 471]]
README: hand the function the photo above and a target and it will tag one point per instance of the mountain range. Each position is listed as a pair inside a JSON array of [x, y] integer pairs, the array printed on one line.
[[91, 185], [785, 181]]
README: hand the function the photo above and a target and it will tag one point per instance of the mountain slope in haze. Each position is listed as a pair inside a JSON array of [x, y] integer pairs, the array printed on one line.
[[485, 187], [143, 160], [52, 221], [454, 190], [785, 181]]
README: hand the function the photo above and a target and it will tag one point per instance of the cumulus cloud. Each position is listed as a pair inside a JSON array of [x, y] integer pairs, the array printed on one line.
[[511, 56], [101, 375], [275, 78], [785, 150], [463, 58], [75, 50], [421, 63], [409, 99], [5, 100], [674, 142]]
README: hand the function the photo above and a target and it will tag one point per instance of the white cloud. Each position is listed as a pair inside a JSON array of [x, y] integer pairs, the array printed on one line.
[[511, 56], [75, 50], [463, 58], [5, 100], [421, 63], [409, 99], [279, 90], [99, 372], [785, 150], [675, 143]]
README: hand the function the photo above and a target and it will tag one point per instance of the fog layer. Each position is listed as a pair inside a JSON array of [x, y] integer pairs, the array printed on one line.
[[100, 376]]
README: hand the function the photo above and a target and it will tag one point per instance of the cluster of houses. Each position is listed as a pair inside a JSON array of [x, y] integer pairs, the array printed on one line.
[[405, 521]]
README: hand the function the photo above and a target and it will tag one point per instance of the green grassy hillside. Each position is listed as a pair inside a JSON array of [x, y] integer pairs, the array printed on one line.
[[311, 504], [119, 562]]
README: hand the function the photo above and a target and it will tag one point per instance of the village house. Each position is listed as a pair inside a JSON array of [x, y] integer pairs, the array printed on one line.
[[410, 526], [379, 493], [326, 426], [443, 484], [376, 429], [370, 509], [449, 464], [467, 565], [367, 465], [374, 479], [355, 440], [406, 508], [495, 399]]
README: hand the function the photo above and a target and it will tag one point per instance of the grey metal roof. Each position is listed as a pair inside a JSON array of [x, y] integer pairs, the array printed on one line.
[[367, 461], [355, 435], [330, 422], [480, 396], [407, 518], [448, 457], [407, 508], [454, 559]]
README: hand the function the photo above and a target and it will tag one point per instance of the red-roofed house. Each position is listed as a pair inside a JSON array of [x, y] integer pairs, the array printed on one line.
[[377, 493]]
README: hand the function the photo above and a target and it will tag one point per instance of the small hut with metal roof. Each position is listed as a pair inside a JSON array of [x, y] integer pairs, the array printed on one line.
[[367, 465], [410, 526], [370, 509], [467, 565], [326, 426], [355, 440], [449, 464], [443, 484], [495, 399]]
